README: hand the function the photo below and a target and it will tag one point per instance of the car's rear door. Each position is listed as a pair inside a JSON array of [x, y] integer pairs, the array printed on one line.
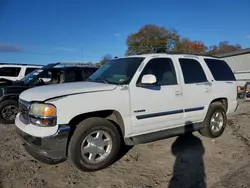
[[197, 88]]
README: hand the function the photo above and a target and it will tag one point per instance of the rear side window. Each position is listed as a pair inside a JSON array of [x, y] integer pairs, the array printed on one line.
[[86, 73], [10, 71], [92, 70], [29, 70], [220, 70], [192, 71]]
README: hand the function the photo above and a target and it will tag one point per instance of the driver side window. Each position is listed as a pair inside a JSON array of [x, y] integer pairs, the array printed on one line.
[[163, 69]]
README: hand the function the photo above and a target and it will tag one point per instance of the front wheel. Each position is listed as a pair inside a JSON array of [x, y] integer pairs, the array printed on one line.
[[94, 145], [8, 111]]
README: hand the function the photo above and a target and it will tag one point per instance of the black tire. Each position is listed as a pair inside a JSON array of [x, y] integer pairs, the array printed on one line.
[[242, 96], [82, 130], [2, 106], [207, 131]]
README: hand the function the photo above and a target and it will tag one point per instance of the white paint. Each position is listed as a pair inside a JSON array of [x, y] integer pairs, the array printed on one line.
[[130, 100], [49, 91], [148, 79], [21, 73]]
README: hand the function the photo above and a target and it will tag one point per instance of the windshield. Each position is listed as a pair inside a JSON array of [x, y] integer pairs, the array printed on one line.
[[117, 71], [34, 77]]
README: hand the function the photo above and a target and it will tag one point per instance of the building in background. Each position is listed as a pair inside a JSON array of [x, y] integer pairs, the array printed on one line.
[[239, 61]]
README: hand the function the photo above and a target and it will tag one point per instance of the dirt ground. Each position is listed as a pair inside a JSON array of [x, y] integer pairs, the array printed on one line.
[[189, 161]]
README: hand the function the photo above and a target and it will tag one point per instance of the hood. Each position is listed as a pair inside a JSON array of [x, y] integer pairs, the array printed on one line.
[[6, 82], [43, 93]]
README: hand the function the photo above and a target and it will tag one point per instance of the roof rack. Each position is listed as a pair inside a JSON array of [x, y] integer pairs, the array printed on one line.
[[75, 64], [20, 64], [178, 53]]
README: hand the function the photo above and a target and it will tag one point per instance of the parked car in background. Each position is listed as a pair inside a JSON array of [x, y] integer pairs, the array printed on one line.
[[131, 100], [54, 73], [14, 71]]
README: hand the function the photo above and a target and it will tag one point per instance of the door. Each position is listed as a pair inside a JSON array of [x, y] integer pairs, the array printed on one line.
[[157, 107], [197, 90]]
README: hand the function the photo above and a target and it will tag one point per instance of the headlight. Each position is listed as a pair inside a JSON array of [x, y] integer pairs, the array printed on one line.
[[42, 114]]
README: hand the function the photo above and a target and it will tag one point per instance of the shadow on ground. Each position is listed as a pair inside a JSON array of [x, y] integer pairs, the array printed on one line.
[[188, 170]]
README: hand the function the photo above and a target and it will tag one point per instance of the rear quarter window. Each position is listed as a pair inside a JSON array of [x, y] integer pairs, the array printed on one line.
[[10, 71], [220, 70]]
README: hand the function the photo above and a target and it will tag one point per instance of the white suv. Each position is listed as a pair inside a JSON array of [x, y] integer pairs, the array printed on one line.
[[14, 72], [130, 100]]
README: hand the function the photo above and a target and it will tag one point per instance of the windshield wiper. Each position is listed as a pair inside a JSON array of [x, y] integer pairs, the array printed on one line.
[[99, 78]]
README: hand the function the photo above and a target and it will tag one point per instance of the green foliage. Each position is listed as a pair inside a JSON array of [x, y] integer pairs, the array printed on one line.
[[223, 47], [151, 39], [154, 39]]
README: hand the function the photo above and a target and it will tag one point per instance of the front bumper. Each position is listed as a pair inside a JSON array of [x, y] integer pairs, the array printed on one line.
[[50, 149]]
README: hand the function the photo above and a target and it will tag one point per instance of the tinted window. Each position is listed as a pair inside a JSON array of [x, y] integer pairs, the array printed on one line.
[[78, 75], [92, 70], [86, 73], [29, 70], [70, 75], [10, 71], [192, 71], [220, 70], [163, 69]]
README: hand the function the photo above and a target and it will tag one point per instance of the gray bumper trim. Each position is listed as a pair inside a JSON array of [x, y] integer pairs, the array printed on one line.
[[51, 149]]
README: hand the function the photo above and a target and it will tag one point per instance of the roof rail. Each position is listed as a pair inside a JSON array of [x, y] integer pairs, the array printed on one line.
[[25, 64], [76, 64], [179, 53]]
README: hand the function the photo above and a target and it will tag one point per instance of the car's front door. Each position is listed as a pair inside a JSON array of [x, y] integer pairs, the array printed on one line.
[[157, 107]]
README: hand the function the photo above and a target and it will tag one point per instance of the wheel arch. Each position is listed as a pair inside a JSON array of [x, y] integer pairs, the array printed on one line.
[[9, 97], [222, 100], [111, 115]]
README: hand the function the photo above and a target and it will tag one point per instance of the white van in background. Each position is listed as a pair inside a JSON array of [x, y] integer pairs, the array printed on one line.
[[13, 71]]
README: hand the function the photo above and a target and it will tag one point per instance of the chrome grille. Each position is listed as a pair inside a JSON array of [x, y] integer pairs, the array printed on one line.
[[24, 111]]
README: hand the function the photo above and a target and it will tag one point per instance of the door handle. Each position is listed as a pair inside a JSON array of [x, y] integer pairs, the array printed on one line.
[[178, 93]]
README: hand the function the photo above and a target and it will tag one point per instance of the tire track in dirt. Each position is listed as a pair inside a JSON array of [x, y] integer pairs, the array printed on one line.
[[234, 125], [239, 178]]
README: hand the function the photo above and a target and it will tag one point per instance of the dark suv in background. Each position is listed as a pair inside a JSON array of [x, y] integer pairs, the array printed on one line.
[[54, 73]]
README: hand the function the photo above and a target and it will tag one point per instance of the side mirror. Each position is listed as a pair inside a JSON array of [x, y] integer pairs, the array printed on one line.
[[148, 79]]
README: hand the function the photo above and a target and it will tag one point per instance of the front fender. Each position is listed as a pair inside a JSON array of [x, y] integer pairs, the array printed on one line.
[[69, 107], [11, 92], [9, 97]]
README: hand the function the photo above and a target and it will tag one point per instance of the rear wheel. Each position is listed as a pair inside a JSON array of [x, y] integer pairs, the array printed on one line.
[[94, 145], [215, 121], [8, 111]]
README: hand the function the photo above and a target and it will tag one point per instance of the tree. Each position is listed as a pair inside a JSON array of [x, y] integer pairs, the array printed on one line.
[[223, 47], [151, 39], [187, 46], [104, 59]]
